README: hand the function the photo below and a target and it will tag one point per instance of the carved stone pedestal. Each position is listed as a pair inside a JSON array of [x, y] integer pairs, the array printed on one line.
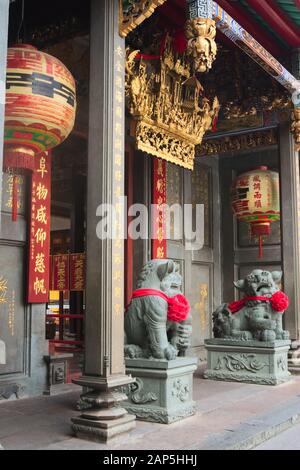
[[255, 362], [56, 372], [163, 390], [102, 416]]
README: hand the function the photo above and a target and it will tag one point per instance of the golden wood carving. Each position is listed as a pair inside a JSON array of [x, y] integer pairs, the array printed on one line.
[[201, 33], [237, 143], [170, 114], [134, 12], [201, 305], [296, 126]]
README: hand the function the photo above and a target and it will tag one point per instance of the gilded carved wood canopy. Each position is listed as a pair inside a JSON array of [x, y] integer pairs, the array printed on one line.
[[134, 12]]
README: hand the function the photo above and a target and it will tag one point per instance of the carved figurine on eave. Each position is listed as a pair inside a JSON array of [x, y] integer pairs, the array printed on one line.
[[258, 315], [158, 323]]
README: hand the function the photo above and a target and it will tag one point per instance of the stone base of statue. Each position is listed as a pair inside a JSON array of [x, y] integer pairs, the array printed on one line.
[[256, 362], [163, 390]]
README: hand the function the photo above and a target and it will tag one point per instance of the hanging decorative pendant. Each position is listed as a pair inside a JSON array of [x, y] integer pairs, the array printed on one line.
[[255, 200], [40, 107]]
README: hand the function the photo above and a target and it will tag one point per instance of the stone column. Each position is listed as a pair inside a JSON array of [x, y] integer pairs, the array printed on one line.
[[104, 369], [4, 8], [290, 233]]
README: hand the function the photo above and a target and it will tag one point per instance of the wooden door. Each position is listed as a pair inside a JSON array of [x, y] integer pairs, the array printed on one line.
[[200, 268], [240, 253]]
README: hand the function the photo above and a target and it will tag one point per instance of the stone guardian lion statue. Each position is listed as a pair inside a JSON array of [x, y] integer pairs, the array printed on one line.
[[258, 315], [158, 323]]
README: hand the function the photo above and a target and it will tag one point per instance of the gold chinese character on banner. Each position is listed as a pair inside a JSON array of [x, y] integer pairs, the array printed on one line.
[[41, 191], [40, 236], [42, 167], [40, 263], [41, 215], [39, 286], [160, 253]]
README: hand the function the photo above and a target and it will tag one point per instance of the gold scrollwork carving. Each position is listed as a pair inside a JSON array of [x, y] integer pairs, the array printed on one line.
[[134, 12], [296, 126], [237, 143]]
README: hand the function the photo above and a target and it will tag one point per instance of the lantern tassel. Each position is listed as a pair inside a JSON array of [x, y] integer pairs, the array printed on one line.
[[260, 248], [14, 213]]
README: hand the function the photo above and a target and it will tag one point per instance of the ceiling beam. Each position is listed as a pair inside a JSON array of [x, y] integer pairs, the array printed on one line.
[[256, 51], [237, 12], [278, 20]]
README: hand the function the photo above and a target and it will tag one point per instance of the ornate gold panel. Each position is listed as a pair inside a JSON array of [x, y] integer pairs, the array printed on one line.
[[169, 109], [134, 12]]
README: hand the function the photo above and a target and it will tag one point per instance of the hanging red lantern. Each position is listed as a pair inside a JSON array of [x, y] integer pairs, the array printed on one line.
[[40, 108], [255, 200]]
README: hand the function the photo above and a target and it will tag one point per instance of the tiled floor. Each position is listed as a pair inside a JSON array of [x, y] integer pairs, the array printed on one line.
[[225, 412]]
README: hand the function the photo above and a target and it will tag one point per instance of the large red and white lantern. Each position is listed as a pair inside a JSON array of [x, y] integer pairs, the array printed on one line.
[[40, 106], [256, 200]]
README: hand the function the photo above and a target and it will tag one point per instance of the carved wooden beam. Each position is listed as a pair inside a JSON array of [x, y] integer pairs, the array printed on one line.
[[256, 51], [134, 12]]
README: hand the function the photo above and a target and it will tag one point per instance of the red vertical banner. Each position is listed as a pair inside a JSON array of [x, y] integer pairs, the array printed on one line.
[[61, 273], [39, 239], [77, 271], [159, 199]]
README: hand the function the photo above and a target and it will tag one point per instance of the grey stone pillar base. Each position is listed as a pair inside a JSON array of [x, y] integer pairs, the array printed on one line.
[[163, 390], [256, 362], [102, 416], [294, 358]]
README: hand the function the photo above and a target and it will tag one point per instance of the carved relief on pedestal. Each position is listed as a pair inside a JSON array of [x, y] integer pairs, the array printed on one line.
[[136, 394], [282, 363], [181, 390], [241, 362]]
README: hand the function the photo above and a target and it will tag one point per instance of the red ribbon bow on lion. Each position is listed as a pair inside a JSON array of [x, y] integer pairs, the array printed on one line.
[[178, 306], [279, 302]]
